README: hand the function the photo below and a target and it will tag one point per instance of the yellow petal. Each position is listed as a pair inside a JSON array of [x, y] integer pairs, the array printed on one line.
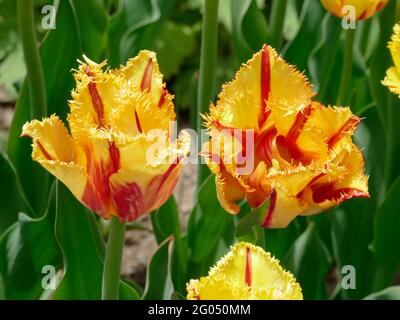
[[115, 118], [143, 74], [363, 8], [392, 79], [138, 191], [63, 160], [286, 201], [138, 114], [146, 178], [247, 272], [394, 45], [259, 192], [229, 188], [96, 94], [344, 180], [243, 103]]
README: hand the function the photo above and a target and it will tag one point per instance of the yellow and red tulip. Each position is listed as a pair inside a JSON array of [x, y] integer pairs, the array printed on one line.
[[247, 272], [364, 9], [303, 156], [392, 79], [116, 118]]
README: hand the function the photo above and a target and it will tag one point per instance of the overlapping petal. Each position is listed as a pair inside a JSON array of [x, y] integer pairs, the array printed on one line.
[[392, 79], [364, 9], [120, 158], [247, 272], [301, 158]]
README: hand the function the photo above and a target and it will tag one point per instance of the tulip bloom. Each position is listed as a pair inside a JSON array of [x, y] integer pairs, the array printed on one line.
[[247, 272], [364, 9], [303, 158], [116, 118], [392, 79]]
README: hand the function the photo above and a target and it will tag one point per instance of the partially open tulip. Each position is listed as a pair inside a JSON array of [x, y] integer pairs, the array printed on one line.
[[363, 9], [247, 272], [108, 157], [302, 156], [392, 80]]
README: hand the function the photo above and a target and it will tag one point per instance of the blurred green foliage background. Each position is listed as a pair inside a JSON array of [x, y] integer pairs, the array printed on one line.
[[42, 224]]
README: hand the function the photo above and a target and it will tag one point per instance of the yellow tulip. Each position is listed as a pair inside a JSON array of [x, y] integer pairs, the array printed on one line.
[[116, 118], [247, 272], [392, 79], [303, 158], [364, 9]]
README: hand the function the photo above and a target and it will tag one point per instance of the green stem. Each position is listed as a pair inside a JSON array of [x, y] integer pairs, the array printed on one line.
[[35, 75], [277, 19], [112, 263], [208, 61], [347, 66]]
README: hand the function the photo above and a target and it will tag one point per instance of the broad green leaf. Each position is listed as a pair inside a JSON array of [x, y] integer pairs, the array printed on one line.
[[309, 260], [249, 28], [386, 230], [30, 174], [253, 218], [279, 241], [59, 51], [207, 222], [159, 284], [83, 251], [82, 263], [199, 269], [351, 235], [135, 26], [298, 50], [127, 291], [381, 61], [11, 199], [93, 26], [321, 61], [391, 293], [26, 248], [352, 227], [292, 23], [12, 70], [165, 223], [8, 27], [175, 43]]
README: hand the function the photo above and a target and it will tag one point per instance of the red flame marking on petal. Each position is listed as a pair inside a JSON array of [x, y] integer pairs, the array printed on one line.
[[264, 146], [162, 98], [248, 275], [299, 195], [138, 125], [348, 126], [128, 200], [268, 218], [265, 84], [325, 192], [97, 103], [44, 151], [97, 192], [147, 75]]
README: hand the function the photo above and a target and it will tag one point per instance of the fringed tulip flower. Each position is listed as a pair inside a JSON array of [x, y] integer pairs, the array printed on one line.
[[247, 272], [108, 159], [302, 156], [392, 80], [364, 9]]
